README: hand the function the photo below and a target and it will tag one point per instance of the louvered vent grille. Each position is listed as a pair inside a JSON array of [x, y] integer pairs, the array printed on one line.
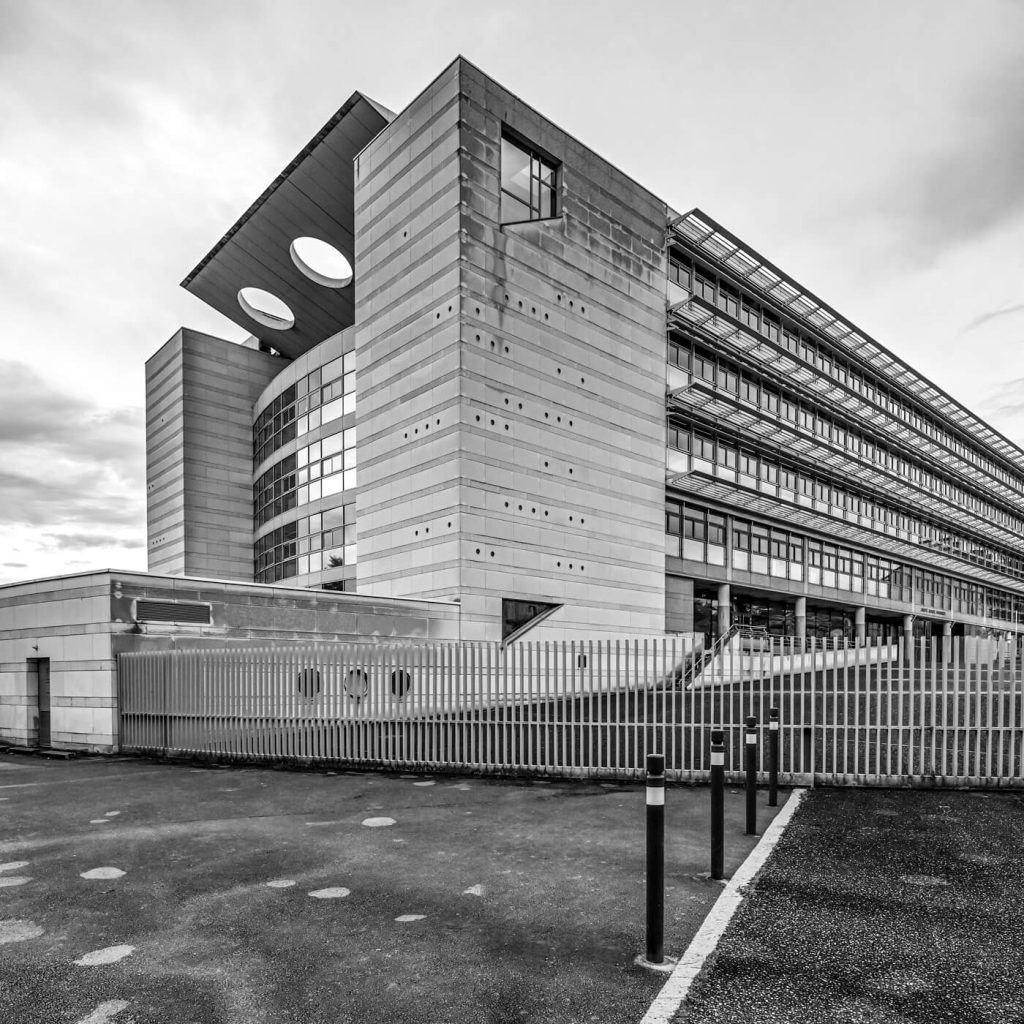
[[172, 611]]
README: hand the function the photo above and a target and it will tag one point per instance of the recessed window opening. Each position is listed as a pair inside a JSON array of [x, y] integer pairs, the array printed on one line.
[[321, 262], [528, 182]]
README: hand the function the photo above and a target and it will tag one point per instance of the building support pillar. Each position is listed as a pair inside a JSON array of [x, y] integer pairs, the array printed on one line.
[[724, 608], [947, 642], [801, 618], [860, 626], [908, 630]]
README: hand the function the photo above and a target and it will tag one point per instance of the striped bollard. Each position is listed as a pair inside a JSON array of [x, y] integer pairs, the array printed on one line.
[[750, 748], [655, 858], [717, 803], [773, 757]]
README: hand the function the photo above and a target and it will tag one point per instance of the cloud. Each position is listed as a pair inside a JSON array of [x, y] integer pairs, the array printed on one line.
[[994, 314], [77, 541], [68, 462], [968, 182]]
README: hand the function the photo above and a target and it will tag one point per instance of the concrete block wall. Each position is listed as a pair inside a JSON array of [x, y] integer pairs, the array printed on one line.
[[409, 350], [510, 381], [200, 392], [67, 621]]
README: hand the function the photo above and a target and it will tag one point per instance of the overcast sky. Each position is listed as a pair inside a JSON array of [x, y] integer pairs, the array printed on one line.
[[873, 149]]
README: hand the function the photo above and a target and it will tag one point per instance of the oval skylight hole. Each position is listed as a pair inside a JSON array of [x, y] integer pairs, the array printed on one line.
[[321, 262], [266, 309]]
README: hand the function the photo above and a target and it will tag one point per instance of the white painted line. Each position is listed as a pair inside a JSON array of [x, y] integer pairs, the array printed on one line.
[[9, 881], [473, 890], [423, 783], [18, 930], [406, 918], [14, 865], [105, 1012], [281, 883], [99, 821], [378, 822], [102, 873], [336, 893], [675, 990], [112, 814], [107, 955]]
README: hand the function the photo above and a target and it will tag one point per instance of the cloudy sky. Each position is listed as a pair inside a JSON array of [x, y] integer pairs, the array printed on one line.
[[873, 149]]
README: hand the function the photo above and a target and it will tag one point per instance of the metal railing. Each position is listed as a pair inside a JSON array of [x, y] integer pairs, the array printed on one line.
[[942, 713]]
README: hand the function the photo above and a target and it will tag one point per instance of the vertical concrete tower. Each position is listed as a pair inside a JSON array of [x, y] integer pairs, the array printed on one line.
[[510, 361]]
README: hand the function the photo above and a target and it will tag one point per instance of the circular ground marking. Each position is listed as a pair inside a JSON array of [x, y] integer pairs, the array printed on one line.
[[107, 955], [923, 880], [8, 881], [14, 865], [18, 930], [336, 893], [281, 883], [406, 918], [378, 822], [102, 873]]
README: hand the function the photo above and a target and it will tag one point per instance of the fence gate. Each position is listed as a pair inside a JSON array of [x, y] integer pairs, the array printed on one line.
[[934, 713]]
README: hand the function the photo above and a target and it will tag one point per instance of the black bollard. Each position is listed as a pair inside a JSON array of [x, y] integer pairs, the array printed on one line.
[[750, 747], [717, 803], [655, 858], [773, 757]]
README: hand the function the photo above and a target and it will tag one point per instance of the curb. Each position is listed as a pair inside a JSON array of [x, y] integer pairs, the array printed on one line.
[[691, 963]]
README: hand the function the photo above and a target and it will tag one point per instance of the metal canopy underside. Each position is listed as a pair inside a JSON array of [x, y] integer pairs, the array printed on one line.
[[736, 499], [703, 233], [314, 195]]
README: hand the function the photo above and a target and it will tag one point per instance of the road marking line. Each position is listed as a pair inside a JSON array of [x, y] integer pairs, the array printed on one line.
[[691, 963], [102, 873], [378, 822], [334, 893], [407, 918], [102, 957], [18, 930], [9, 881], [104, 1012], [14, 865]]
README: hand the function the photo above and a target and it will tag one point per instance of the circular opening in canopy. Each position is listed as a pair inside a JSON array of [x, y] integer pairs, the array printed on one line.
[[266, 309], [321, 262]]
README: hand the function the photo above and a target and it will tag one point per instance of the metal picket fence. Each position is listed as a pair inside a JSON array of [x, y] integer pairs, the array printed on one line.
[[933, 713]]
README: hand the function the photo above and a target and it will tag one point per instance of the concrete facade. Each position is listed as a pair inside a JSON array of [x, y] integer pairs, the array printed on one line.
[[510, 378], [80, 624], [199, 398]]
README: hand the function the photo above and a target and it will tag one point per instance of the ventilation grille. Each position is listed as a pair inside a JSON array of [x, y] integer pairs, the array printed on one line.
[[172, 611]]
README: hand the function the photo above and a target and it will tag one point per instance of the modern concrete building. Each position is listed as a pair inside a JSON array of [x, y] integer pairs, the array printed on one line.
[[528, 385], [496, 389]]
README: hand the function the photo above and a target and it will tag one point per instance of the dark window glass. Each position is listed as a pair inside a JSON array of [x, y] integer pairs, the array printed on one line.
[[528, 184]]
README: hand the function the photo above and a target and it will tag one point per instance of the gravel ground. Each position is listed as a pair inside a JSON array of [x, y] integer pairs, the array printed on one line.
[[898, 906]]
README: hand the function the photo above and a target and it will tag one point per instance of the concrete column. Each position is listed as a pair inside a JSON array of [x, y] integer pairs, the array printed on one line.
[[724, 608], [801, 617], [908, 629], [860, 625], [947, 629]]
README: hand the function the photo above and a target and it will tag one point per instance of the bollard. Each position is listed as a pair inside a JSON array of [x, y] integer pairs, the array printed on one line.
[[655, 858], [750, 747], [717, 803], [773, 757]]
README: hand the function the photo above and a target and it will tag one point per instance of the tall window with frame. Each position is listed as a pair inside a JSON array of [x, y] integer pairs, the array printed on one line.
[[528, 183]]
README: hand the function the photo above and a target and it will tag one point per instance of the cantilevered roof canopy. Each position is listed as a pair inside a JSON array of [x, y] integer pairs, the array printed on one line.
[[312, 197], [703, 233]]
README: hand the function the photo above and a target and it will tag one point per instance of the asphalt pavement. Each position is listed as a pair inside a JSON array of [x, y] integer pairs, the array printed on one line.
[[892, 906], [139, 892]]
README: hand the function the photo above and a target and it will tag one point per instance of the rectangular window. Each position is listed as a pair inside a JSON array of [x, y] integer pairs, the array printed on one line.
[[528, 183]]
